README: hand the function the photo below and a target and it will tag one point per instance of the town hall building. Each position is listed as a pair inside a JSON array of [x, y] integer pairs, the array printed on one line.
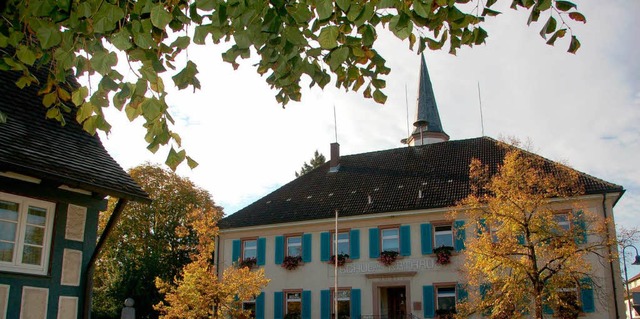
[[392, 209]]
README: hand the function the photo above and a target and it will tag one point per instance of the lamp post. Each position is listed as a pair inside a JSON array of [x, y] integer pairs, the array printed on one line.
[[626, 278]]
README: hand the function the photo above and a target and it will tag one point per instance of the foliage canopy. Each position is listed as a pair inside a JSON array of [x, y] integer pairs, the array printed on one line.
[[150, 240], [317, 160], [323, 41], [534, 247]]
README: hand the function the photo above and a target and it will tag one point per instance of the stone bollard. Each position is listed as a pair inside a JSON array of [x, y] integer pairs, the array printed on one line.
[[128, 312]]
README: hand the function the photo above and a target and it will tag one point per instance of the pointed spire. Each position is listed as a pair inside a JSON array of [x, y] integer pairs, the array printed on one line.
[[427, 112]]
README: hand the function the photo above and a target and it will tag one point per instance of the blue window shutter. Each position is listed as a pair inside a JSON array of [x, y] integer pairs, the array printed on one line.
[[462, 293], [546, 309], [520, 238], [306, 304], [306, 248], [354, 244], [356, 303], [235, 250], [374, 243], [260, 306], [482, 226], [428, 299], [278, 303], [426, 239], [459, 233], [405, 240], [262, 248], [586, 295], [325, 304], [325, 246], [279, 253], [580, 227]]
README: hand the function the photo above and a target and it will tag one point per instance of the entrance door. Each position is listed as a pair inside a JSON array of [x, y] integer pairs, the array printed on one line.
[[396, 303]]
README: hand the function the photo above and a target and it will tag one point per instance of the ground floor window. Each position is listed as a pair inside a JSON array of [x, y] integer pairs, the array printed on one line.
[[293, 304], [343, 298], [445, 299], [250, 307]]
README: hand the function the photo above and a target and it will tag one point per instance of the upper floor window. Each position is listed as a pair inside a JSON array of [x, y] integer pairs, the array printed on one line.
[[343, 243], [443, 236], [25, 233], [249, 248], [390, 238], [562, 219], [293, 302], [294, 246]]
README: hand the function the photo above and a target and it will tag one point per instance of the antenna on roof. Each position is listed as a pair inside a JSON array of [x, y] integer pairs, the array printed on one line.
[[406, 103], [480, 101], [335, 123]]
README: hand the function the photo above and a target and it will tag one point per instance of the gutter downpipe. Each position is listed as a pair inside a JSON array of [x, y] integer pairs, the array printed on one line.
[[613, 275], [88, 281]]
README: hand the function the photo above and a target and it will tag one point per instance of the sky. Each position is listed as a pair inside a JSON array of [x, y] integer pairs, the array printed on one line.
[[581, 109]]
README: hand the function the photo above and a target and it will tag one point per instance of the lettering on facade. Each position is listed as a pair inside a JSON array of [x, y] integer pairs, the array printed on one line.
[[373, 267]]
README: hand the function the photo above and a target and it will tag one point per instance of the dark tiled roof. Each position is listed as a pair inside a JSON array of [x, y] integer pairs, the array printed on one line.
[[392, 178], [35, 146]]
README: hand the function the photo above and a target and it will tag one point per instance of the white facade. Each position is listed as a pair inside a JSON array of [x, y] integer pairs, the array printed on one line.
[[412, 285]]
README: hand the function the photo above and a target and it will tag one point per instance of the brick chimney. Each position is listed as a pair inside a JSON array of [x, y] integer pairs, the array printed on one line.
[[334, 163]]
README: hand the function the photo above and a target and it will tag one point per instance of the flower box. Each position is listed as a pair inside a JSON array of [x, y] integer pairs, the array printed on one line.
[[291, 262], [443, 254], [248, 262], [342, 259], [388, 257]]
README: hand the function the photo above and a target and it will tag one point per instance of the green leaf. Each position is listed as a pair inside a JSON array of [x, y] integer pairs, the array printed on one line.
[[379, 97], [132, 112], [324, 9], [401, 26], [206, 5], [338, 56], [78, 96], [533, 17], [48, 36], [564, 5], [175, 158], [574, 45], [3, 118], [422, 9], [25, 55], [200, 34], [293, 35], [90, 125], [343, 5], [84, 112], [151, 109], [558, 34], [122, 40], [577, 16], [192, 164], [328, 37], [187, 77], [104, 61], [490, 3], [53, 113], [489, 12], [49, 99], [368, 35], [548, 27], [84, 9], [543, 5], [160, 17]]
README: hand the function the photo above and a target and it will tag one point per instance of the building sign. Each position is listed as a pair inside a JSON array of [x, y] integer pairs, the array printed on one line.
[[374, 267]]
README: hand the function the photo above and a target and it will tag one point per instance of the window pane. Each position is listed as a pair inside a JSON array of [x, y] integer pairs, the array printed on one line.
[[343, 243], [250, 249], [390, 240], [8, 231], [443, 236], [344, 309], [562, 220], [6, 252], [446, 298], [34, 235], [294, 246], [37, 216], [294, 302], [251, 307], [31, 255], [9, 210]]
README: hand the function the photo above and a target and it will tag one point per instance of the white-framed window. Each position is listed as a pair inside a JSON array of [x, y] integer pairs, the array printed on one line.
[[249, 248], [294, 246], [250, 307], [442, 235], [446, 298], [343, 297], [390, 238], [26, 225], [293, 300], [563, 221], [343, 243]]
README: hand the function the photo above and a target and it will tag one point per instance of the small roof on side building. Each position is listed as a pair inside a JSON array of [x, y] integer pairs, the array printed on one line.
[[384, 181], [35, 146]]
